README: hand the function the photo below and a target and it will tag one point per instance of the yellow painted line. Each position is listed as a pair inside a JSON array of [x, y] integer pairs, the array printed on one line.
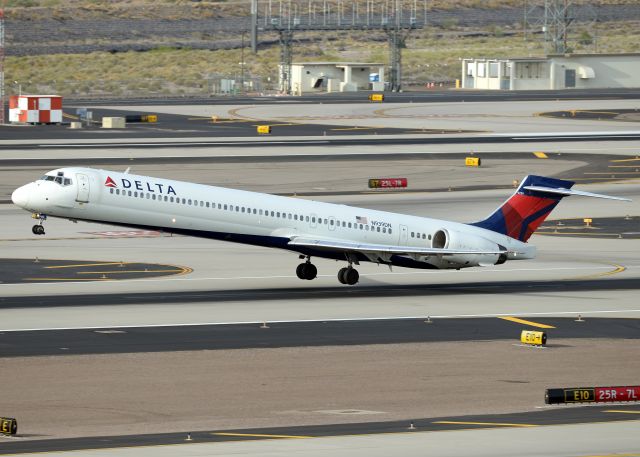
[[525, 322], [636, 159], [621, 411], [127, 271], [496, 424], [617, 269], [540, 155], [259, 435], [88, 265]]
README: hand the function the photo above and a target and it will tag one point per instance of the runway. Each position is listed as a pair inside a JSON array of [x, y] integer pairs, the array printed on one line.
[[303, 334], [239, 345]]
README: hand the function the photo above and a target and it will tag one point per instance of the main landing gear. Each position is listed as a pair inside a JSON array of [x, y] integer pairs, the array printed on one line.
[[38, 229], [347, 275], [307, 270]]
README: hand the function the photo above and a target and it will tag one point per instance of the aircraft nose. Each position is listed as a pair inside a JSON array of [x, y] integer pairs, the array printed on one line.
[[20, 196]]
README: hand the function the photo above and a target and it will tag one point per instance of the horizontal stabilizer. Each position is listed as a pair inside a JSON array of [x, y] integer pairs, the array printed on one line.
[[568, 192]]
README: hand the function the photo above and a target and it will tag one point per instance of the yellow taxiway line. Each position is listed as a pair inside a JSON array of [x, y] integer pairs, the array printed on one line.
[[496, 424], [540, 155], [525, 322], [127, 271], [259, 435], [621, 411]]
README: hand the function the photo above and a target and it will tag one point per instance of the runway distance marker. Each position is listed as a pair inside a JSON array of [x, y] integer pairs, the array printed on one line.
[[8, 426]]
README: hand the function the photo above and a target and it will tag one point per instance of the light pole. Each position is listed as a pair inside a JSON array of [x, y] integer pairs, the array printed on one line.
[[19, 88]]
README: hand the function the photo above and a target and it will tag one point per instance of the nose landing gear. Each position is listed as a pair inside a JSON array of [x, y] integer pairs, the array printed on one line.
[[38, 229]]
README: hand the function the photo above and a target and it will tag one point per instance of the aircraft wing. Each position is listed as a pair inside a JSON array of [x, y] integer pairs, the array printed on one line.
[[366, 248]]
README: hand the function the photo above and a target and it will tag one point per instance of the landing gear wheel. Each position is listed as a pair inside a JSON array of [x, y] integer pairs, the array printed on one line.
[[300, 270], [37, 230], [306, 271], [341, 275], [310, 271], [351, 276]]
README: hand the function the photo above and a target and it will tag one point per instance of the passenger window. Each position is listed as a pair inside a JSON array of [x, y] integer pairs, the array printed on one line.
[[255, 211], [278, 213], [313, 219], [360, 226], [429, 237], [117, 191], [111, 190], [331, 222], [273, 214], [349, 224], [412, 235], [129, 193], [289, 215], [378, 229], [384, 230], [423, 236], [135, 194], [260, 212], [389, 231], [243, 209], [306, 218], [153, 196], [220, 206]]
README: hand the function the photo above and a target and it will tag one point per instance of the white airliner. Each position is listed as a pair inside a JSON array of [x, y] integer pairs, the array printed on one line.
[[310, 228]]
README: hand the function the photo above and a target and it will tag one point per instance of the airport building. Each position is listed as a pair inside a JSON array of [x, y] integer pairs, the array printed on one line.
[[566, 71], [309, 77]]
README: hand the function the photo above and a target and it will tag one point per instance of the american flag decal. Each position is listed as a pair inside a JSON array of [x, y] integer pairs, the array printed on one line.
[[361, 220]]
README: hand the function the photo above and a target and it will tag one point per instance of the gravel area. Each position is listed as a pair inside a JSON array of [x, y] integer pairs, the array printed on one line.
[[70, 396]]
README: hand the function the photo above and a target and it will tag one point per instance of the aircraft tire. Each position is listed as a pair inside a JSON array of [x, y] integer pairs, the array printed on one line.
[[352, 276], [310, 271], [35, 229], [341, 275], [300, 271]]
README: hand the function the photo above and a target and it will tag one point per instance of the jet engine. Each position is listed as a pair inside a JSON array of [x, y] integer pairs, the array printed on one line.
[[450, 239]]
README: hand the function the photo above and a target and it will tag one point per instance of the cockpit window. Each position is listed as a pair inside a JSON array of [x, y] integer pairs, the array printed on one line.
[[60, 179]]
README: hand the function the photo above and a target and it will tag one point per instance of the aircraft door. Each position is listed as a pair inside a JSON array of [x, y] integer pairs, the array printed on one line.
[[332, 223], [404, 235], [83, 188]]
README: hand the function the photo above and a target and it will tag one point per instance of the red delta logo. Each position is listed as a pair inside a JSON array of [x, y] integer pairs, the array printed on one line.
[[110, 182]]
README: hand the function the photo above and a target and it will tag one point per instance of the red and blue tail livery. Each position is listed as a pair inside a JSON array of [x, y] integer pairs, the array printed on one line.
[[528, 207]]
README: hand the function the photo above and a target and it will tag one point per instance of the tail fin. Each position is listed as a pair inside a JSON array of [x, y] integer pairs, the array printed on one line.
[[530, 205]]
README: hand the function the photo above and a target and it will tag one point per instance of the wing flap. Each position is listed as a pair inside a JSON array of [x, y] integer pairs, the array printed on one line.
[[349, 246]]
